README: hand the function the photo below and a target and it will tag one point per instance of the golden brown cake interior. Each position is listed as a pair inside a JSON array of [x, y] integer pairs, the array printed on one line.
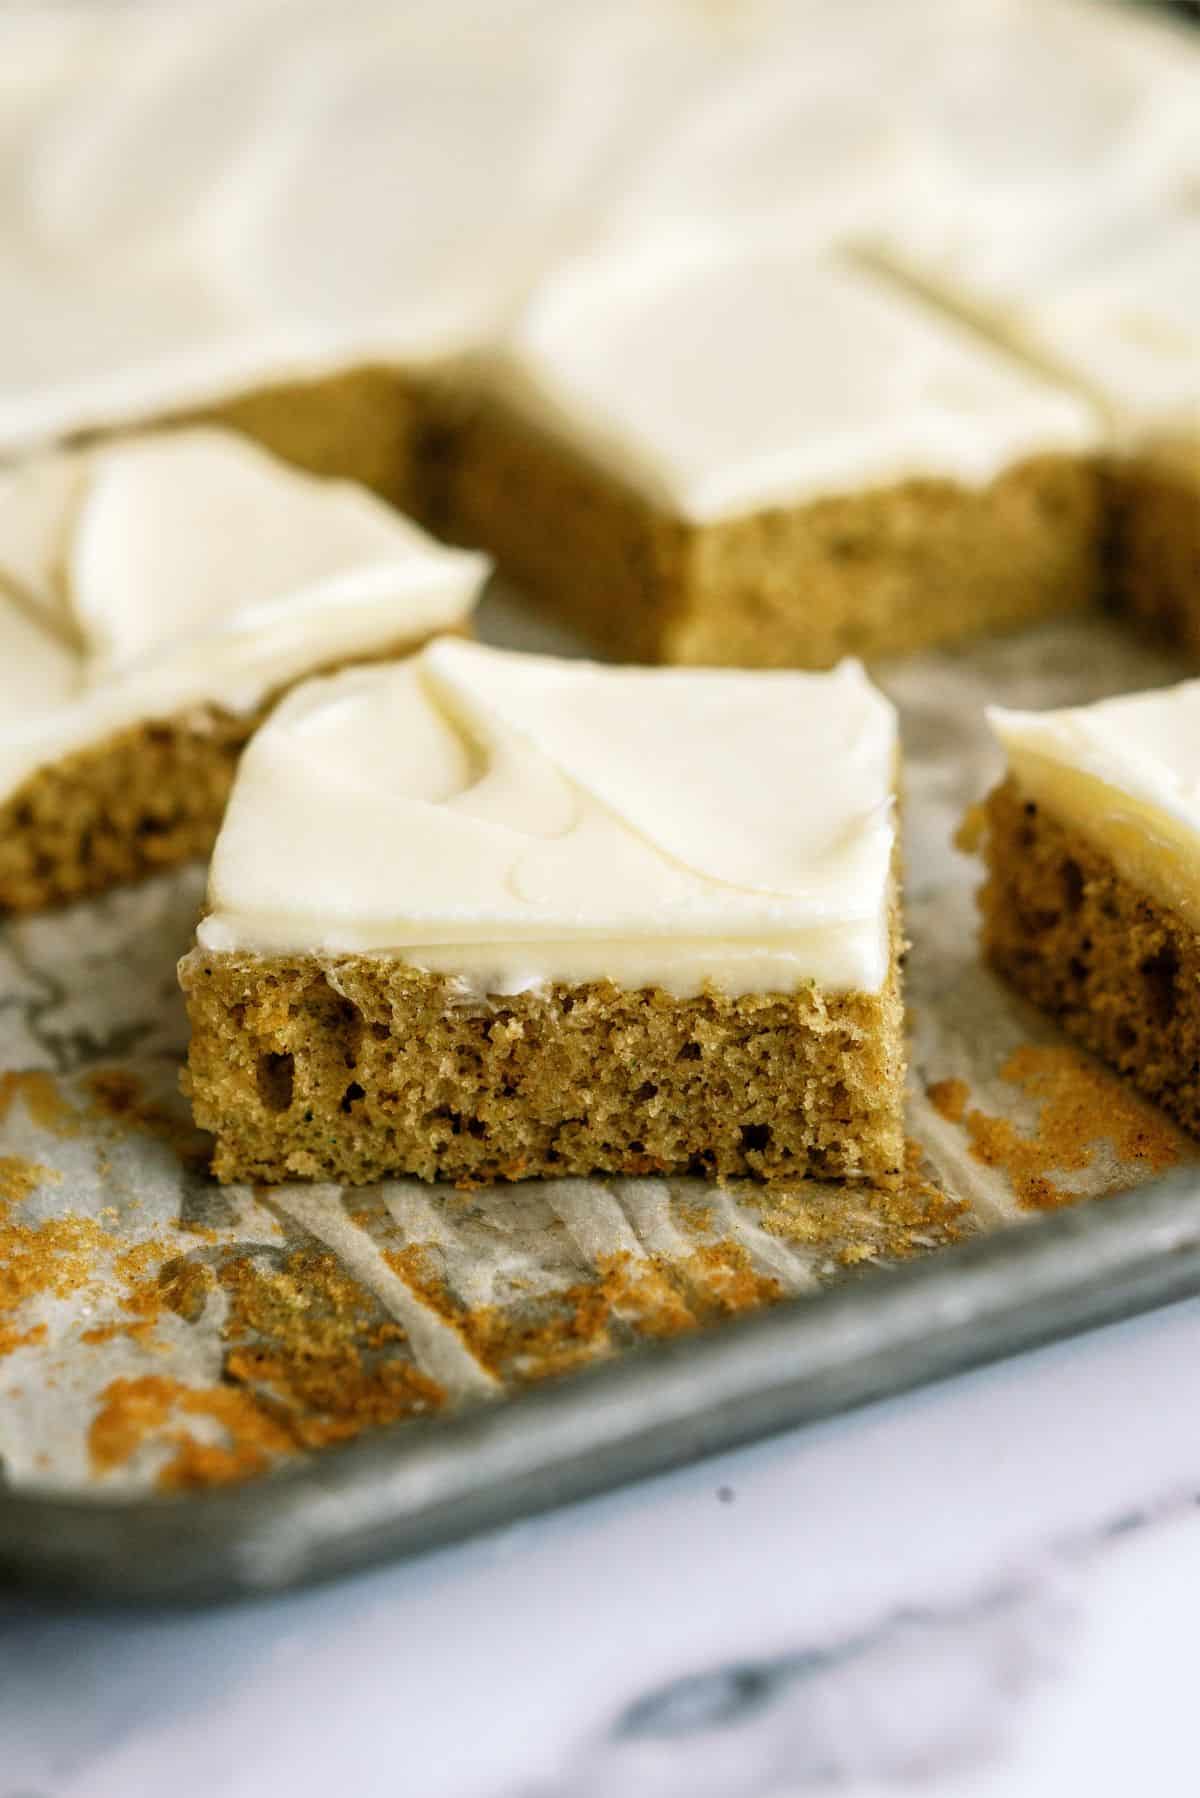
[[1117, 969], [147, 798], [878, 572], [357, 1067]]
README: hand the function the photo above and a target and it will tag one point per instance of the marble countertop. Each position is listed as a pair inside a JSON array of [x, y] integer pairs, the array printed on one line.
[[983, 1590]]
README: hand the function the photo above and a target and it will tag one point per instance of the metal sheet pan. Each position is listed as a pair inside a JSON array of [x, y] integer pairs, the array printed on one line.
[[862, 1302], [431, 1483]]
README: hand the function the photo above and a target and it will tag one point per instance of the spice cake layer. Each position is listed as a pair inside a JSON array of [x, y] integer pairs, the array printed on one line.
[[482, 916], [156, 594], [767, 458], [1091, 908]]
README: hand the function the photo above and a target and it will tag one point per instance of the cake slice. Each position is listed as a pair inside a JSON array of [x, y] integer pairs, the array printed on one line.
[[757, 456], [1119, 318], [1125, 325], [219, 230], [1091, 906], [480, 916], [156, 595]]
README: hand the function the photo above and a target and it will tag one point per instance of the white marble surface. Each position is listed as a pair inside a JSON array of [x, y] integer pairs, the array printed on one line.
[[984, 1590]]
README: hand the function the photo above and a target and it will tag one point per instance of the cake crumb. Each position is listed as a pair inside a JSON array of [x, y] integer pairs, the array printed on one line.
[[727, 1280], [46, 1106], [140, 1331], [19, 1178], [883, 1223], [1080, 1107], [136, 1412], [949, 1098], [316, 1350], [118, 1096], [11, 1338]]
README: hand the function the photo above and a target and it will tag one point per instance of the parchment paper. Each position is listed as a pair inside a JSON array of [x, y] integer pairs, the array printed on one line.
[[158, 1330]]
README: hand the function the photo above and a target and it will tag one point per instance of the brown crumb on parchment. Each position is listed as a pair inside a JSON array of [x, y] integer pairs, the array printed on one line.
[[317, 1351], [308, 1363], [19, 1178], [118, 1095], [949, 1099], [1081, 1106], [881, 1224], [310, 1357], [140, 1331], [46, 1106], [12, 1338], [556, 1331], [57, 1257], [152, 1407], [726, 1280]]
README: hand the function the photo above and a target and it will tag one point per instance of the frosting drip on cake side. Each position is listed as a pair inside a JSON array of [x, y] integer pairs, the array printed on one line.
[[161, 574], [722, 383], [512, 820], [1125, 773]]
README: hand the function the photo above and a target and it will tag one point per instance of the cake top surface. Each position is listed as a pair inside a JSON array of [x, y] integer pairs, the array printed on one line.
[[1144, 747], [1040, 133], [292, 189], [1124, 320], [187, 213], [472, 796], [174, 569], [727, 379]]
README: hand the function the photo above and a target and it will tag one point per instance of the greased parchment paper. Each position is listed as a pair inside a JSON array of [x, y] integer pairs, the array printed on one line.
[[158, 1330]]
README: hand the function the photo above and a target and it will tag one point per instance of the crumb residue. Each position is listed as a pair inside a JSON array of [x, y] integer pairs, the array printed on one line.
[[19, 1178], [548, 1333], [308, 1363], [558, 1330], [12, 1338], [46, 1106], [317, 1351], [949, 1098], [851, 1225], [141, 1332], [726, 1280], [1081, 1106], [118, 1096], [58, 1257], [151, 1408]]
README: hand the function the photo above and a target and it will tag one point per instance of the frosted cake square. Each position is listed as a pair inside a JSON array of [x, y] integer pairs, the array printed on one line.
[[156, 595], [1125, 325], [1091, 906], [766, 458], [1119, 318], [479, 916]]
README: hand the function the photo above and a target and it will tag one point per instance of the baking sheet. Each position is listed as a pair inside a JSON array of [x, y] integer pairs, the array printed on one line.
[[162, 1338]]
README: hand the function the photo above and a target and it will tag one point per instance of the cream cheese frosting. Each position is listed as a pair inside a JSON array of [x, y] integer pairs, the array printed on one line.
[[721, 382], [1125, 773], [182, 569], [285, 190], [513, 820], [1124, 323], [295, 187], [1044, 128]]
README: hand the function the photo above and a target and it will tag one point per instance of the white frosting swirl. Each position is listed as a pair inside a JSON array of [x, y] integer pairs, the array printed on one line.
[[727, 381], [1125, 773], [514, 819], [162, 573], [190, 206]]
